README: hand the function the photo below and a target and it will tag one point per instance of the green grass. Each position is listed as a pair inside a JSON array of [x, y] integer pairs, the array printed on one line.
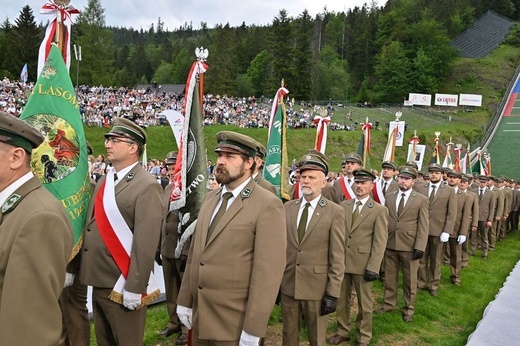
[[445, 320], [462, 129]]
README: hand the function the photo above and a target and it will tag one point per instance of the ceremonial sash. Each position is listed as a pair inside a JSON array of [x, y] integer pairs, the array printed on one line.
[[347, 189], [297, 193], [118, 238], [377, 192]]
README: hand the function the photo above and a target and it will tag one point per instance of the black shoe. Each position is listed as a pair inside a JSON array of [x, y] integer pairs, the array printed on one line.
[[337, 339], [166, 332], [182, 339]]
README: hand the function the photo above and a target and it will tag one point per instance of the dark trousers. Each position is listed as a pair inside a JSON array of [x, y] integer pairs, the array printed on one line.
[[429, 273], [292, 311], [482, 232], [76, 324], [172, 284], [114, 324], [394, 262], [455, 260]]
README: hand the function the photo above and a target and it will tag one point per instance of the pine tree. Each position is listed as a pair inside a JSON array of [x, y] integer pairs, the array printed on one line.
[[25, 40]]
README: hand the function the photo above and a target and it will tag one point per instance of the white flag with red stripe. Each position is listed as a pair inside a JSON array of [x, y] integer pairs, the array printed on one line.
[[63, 14]]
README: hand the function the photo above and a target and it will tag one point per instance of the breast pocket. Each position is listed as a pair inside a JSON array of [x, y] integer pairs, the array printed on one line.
[[364, 249]]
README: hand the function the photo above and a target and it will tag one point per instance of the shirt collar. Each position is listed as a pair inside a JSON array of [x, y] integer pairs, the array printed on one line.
[[8, 191], [407, 193], [437, 185], [363, 201], [313, 203], [236, 191], [123, 172]]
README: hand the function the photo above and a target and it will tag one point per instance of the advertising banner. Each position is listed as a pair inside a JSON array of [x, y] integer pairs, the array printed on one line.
[[470, 100], [420, 99], [446, 100]]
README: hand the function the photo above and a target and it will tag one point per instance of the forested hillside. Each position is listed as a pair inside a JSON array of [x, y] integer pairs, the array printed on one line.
[[369, 53]]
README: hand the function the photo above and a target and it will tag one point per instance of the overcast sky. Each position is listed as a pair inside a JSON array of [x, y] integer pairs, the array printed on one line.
[[174, 13]]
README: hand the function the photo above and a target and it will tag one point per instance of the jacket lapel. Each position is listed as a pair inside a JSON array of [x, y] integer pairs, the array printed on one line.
[[231, 211], [205, 217], [13, 200], [316, 216], [365, 210], [295, 209], [390, 203], [348, 215], [411, 200], [127, 179]]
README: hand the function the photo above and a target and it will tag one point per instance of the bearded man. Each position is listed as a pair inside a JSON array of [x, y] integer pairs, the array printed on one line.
[[237, 255]]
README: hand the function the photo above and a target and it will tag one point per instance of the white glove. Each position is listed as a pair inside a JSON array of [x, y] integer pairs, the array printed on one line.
[[69, 280], [131, 300], [461, 239], [185, 315], [445, 237], [248, 339]]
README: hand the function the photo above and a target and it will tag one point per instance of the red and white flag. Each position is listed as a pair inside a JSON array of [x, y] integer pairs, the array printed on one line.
[[321, 132], [62, 14]]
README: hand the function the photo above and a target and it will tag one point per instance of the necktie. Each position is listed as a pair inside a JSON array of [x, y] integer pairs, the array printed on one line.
[[115, 176], [481, 194], [432, 194], [303, 221], [223, 206], [401, 205], [384, 189], [349, 182], [355, 214]]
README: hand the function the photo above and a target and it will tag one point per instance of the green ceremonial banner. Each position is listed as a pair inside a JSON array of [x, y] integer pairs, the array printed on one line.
[[276, 166], [61, 160]]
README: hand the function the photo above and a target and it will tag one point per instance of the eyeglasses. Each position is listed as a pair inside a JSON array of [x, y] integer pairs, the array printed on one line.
[[115, 140]]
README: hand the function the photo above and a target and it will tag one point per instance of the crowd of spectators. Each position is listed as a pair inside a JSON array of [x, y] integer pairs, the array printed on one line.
[[98, 105]]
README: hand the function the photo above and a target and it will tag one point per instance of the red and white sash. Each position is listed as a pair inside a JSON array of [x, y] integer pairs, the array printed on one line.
[[347, 189], [377, 192], [118, 239], [297, 192]]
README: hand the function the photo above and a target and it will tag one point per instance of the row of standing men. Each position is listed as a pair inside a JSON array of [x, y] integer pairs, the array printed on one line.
[[246, 246]]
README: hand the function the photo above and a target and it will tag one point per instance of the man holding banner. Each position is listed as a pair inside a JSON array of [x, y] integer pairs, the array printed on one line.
[[120, 239]]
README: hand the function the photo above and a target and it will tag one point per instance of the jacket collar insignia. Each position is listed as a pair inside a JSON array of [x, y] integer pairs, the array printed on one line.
[[10, 203], [130, 176], [246, 193]]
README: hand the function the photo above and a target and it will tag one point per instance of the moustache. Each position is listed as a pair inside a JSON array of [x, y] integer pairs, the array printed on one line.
[[220, 170]]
